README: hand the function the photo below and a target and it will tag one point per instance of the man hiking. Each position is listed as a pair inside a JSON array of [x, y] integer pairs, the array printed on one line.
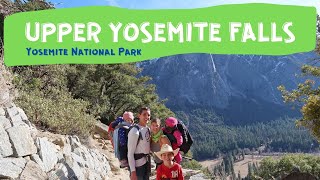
[[139, 147]]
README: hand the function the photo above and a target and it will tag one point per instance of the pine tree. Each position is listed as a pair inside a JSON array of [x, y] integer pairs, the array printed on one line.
[[239, 176], [250, 172], [243, 155], [233, 176], [254, 168], [307, 94]]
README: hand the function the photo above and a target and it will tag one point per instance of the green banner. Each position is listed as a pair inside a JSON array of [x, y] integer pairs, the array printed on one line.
[[106, 35]]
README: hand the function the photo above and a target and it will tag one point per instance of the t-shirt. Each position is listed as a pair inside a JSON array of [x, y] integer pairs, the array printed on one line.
[[143, 147], [173, 173]]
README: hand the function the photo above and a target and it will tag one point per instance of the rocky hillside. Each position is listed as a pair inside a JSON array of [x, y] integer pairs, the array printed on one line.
[[242, 88], [28, 153]]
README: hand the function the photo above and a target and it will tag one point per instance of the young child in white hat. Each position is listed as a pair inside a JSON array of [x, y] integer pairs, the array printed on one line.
[[168, 169]]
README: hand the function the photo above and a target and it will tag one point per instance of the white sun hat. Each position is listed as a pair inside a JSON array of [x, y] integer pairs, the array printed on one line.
[[165, 149]]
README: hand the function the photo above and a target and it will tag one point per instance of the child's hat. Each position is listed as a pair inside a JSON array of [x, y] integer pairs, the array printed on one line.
[[128, 115], [165, 149]]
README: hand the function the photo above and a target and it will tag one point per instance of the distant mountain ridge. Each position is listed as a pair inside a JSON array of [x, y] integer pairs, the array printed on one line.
[[241, 88]]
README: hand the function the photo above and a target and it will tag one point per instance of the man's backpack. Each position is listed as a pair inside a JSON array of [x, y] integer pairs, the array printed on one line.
[[111, 129], [186, 136], [117, 138], [128, 128]]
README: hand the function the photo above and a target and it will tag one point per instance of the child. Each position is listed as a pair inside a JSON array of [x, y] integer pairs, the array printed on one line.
[[121, 126], [157, 139], [174, 136], [168, 170]]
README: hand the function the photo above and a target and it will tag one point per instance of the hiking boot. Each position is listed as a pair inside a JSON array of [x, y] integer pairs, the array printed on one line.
[[124, 164]]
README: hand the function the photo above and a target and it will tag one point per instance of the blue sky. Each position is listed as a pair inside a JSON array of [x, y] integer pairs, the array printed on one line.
[[174, 4]]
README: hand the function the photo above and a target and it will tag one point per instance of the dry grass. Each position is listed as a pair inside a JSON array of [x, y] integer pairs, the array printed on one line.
[[211, 163], [7, 7], [242, 166], [7, 92]]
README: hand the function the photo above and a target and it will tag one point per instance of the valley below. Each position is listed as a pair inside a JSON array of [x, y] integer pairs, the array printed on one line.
[[241, 166]]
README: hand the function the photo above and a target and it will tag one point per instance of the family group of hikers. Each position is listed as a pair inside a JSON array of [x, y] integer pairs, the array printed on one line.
[[135, 144]]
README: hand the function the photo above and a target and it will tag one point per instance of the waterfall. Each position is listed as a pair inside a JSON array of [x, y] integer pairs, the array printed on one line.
[[213, 65]]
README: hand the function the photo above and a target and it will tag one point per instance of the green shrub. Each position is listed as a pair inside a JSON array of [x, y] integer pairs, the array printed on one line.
[[270, 168], [63, 114]]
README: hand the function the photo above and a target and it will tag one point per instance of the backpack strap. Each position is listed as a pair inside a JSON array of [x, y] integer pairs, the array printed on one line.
[[170, 135], [140, 155], [140, 134]]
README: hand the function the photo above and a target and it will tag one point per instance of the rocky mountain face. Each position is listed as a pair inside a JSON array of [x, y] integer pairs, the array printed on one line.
[[241, 88], [28, 153]]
